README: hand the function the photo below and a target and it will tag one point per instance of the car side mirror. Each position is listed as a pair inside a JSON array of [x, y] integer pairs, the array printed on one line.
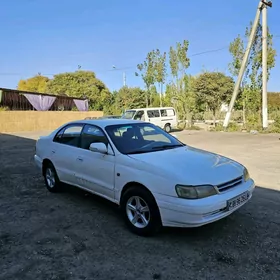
[[98, 148]]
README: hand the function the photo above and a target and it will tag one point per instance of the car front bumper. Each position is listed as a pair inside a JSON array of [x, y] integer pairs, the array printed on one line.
[[178, 212]]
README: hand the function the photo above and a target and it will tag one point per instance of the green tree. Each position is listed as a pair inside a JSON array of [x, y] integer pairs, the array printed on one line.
[[274, 101], [37, 83], [155, 99], [213, 88], [160, 70], [168, 99], [183, 96], [130, 97], [147, 70], [250, 97], [82, 84]]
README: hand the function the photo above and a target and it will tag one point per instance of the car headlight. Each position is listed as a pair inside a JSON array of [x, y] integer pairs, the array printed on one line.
[[246, 174], [195, 192]]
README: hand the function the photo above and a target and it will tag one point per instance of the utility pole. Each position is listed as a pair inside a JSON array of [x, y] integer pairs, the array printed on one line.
[[124, 79], [264, 64], [243, 65], [124, 75], [262, 6]]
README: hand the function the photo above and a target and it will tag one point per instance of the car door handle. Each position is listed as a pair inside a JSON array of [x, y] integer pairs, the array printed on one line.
[[53, 152], [79, 159]]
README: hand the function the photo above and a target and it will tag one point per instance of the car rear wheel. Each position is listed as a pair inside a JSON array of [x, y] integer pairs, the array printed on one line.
[[167, 128], [51, 179], [140, 211]]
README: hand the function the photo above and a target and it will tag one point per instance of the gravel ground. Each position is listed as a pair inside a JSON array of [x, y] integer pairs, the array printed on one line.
[[75, 235]]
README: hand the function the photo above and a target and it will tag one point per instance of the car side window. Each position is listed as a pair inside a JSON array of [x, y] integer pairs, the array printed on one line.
[[92, 134], [69, 135]]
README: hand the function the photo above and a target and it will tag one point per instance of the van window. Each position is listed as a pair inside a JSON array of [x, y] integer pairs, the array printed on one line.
[[153, 113], [128, 114], [139, 116], [167, 113]]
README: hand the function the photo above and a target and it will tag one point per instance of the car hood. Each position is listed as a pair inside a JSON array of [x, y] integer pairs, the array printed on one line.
[[191, 166]]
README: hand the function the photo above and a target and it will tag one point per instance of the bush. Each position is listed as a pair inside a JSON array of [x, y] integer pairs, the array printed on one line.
[[275, 127], [232, 127], [217, 128], [194, 127], [277, 122], [253, 122], [199, 116], [181, 125], [2, 108]]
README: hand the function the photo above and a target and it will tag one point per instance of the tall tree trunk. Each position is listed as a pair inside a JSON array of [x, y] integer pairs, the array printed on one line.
[[151, 100], [189, 115], [147, 98], [160, 94], [214, 117]]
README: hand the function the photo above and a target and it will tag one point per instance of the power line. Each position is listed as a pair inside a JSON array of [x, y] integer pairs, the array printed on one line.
[[131, 67]]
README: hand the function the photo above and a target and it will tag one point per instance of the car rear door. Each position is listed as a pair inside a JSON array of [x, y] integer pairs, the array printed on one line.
[[64, 151]]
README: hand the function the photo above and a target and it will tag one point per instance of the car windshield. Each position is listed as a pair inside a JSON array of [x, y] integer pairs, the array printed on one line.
[[128, 114], [141, 138]]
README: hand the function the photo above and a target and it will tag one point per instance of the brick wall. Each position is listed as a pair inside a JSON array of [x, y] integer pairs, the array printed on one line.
[[17, 121]]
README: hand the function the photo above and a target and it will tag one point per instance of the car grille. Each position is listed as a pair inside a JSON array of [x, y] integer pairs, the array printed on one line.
[[230, 184]]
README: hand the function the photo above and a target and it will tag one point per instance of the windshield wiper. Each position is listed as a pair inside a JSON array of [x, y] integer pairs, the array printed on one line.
[[163, 147]]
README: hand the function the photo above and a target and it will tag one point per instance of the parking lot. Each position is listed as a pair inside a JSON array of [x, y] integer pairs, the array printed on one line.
[[75, 235]]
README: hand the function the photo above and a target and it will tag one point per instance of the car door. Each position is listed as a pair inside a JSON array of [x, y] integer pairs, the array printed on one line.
[[95, 171], [64, 151]]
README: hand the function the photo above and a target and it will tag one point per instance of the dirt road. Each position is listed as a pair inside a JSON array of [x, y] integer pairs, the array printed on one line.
[[74, 235]]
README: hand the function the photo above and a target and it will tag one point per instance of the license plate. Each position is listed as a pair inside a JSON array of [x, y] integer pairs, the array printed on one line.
[[237, 201]]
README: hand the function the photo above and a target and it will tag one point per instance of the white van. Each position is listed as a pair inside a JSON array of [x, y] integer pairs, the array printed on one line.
[[164, 117]]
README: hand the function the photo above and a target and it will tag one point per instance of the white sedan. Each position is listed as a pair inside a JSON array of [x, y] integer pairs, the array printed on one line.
[[154, 178]]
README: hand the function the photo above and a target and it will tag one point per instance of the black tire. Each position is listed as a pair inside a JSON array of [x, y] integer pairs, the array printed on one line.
[[49, 169], [167, 128], [153, 217]]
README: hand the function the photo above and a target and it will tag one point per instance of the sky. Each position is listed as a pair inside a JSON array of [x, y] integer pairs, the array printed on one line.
[[54, 36]]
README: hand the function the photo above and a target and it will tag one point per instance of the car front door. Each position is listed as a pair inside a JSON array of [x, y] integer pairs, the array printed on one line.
[[64, 152], [95, 171]]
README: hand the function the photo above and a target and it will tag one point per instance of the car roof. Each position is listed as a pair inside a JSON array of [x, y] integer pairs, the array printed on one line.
[[105, 122]]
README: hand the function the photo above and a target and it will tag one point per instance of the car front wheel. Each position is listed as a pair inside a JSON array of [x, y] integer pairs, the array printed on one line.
[[140, 211]]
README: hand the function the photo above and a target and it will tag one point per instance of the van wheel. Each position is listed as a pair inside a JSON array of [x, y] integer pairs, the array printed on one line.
[[167, 128]]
